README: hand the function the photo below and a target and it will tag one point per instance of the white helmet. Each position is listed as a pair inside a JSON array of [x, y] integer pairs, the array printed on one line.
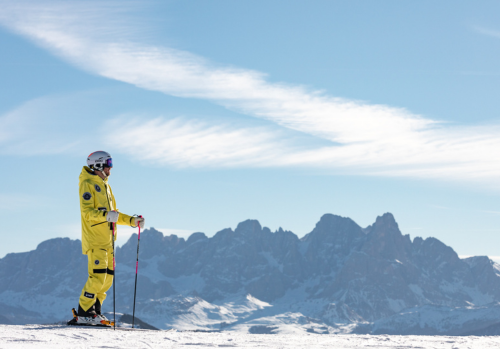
[[99, 159]]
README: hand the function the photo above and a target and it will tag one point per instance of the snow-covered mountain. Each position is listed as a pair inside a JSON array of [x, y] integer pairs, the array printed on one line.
[[338, 278]]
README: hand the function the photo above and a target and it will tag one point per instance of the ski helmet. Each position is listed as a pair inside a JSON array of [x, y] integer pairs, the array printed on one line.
[[99, 159]]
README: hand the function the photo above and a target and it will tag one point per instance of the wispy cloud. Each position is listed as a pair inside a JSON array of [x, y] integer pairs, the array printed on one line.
[[492, 212], [195, 143], [31, 129], [365, 138], [469, 211], [124, 233], [18, 201], [488, 32], [439, 207], [495, 259]]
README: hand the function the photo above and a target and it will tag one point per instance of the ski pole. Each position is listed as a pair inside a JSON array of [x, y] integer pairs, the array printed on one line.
[[114, 277], [136, 269]]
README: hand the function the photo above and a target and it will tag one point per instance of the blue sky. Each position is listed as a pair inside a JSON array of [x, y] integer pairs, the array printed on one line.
[[281, 111]]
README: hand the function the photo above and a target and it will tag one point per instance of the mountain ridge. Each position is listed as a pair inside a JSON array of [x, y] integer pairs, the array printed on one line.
[[340, 276]]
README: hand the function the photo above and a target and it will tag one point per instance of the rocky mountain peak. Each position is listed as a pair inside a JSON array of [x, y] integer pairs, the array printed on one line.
[[386, 221], [195, 237], [332, 227], [153, 233], [250, 226], [385, 240], [152, 236], [329, 220]]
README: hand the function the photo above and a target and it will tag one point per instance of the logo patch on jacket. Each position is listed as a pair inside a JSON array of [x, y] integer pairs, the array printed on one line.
[[87, 196], [89, 295], [96, 262], [97, 188]]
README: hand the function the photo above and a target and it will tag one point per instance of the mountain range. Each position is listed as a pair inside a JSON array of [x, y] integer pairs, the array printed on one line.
[[339, 278]]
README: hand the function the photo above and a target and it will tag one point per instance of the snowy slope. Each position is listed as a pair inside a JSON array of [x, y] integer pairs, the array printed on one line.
[[440, 320], [37, 336]]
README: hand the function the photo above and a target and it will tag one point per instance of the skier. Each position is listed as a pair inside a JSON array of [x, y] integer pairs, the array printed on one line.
[[99, 215]]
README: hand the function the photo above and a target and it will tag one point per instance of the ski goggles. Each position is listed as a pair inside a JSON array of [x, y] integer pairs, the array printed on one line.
[[108, 163]]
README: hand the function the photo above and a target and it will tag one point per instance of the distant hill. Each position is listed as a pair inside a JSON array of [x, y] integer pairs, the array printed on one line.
[[338, 278]]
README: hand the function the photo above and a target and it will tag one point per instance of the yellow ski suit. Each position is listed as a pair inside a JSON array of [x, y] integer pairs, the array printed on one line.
[[96, 199]]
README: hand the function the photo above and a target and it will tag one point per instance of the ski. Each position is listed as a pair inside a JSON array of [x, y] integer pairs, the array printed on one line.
[[73, 322], [105, 324]]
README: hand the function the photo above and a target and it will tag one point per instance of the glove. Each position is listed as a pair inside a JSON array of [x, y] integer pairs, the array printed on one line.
[[139, 222], [112, 216]]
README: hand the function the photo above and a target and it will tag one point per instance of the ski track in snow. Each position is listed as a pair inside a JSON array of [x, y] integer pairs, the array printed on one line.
[[58, 336]]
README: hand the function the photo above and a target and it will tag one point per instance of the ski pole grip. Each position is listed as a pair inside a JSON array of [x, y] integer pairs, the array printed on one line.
[[138, 239]]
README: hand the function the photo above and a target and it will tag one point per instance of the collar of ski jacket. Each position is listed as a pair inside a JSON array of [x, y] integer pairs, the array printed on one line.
[[87, 173]]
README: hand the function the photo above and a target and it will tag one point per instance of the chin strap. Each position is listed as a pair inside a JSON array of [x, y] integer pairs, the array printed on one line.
[[103, 173], [96, 170]]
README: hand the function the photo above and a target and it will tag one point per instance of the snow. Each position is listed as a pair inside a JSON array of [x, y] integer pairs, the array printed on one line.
[[186, 284], [59, 336], [150, 270], [478, 298], [496, 268], [440, 318], [396, 304]]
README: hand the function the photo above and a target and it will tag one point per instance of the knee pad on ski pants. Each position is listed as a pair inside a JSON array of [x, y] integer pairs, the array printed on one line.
[[101, 273]]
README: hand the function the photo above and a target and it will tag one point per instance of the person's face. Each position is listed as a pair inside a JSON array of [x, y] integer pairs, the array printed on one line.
[[107, 171]]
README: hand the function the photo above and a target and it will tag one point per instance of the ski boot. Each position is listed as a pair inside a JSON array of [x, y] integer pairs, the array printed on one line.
[[93, 320], [97, 308]]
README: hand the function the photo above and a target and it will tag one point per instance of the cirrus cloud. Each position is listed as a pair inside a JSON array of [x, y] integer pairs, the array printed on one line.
[[364, 138]]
